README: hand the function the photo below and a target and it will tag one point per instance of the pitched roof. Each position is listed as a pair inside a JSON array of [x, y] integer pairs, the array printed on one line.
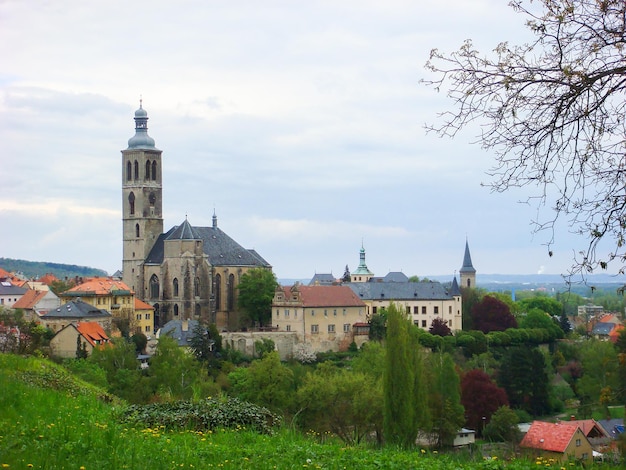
[[97, 286], [553, 437], [325, 296], [92, 332], [181, 331], [467, 261], [322, 279], [220, 249], [589, 427], [30, 299], [77, 309], [613, 427], [141, 305], [48, 279], [6, 288], [604, 329], [431, 290]]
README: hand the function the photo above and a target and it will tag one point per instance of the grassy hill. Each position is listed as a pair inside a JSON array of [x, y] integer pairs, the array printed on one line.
[[34, 269], [51, 419]]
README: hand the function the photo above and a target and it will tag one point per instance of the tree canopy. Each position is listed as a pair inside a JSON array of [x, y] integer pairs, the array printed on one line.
[[552, 110], [256, 291], [491, 314]]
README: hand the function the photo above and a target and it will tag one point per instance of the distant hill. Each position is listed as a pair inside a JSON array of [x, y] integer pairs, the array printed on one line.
[[35, 269]]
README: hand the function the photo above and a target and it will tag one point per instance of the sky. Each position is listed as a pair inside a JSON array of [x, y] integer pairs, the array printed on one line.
[[300, 124]]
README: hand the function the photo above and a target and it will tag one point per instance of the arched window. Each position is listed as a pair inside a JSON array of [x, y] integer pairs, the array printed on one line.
[[175, 310], [129, 171], [137, 230], [154, 169], [131, 202], [136, 170], [196, 287], [175, 283], [198, 310], [218, 292], [147, 176], [154, 287], [230, 301]]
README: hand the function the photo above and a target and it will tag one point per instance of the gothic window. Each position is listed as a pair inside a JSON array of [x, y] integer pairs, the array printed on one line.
[[218, 292], [136, 170], [147, 176], [198, 310], [154, 287], [137, 230], [175, 310], [231, 292], [196, 287], [175, 287], [131, 201], [154, 170], [129, 171]]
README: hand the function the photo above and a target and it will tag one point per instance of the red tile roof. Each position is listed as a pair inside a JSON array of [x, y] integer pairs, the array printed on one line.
[[326, 296], [589, 427], [92, 332], [48, 279], [554, 437], [99, 286], [29, 299], [141, 305]]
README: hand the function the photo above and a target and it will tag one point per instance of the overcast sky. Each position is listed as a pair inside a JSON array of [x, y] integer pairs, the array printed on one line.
[[300, 123]]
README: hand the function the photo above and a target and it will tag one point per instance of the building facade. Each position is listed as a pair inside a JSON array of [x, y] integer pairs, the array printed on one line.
[[188, 272]]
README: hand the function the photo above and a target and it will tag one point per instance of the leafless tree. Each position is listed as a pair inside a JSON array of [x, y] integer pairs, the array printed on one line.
[[553, 112]]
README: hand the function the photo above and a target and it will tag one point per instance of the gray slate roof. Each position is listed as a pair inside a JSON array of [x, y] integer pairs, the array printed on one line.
[[6, 288], [219, 247], [77, 309], [467, 261], [430, 290], [613, 427], [602, 328], [174, 328], [323, 280]]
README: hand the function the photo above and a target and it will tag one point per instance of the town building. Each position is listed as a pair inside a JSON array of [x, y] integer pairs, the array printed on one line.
[[187, 272], [561, 441], [36, 303], [10, 294], [76, 311], [87, 336], [326, 318], [144, 318]]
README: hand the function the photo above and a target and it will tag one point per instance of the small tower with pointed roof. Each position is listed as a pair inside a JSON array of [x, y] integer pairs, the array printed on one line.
[[467, 271], [142, 200], [362, 274]]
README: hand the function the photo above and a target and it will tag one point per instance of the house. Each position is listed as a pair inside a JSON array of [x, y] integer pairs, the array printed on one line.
[[613, 428], [36, 303], [76, 311], [104, 293], [321, 316], [9, 293], [144, 318], [89, 335], [562, 441], [590, 428], [181, 330], [464, 437], [323, 280]]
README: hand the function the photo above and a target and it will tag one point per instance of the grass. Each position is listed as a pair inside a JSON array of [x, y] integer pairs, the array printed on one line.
[[63, 423]]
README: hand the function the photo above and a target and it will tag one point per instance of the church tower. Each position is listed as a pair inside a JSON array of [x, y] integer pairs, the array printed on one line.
[[142, 201], [362, 274], [467, 272]]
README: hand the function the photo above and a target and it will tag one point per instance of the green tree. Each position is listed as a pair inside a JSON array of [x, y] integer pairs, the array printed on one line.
[[537, 318], [256, 292], [551, 306], [552, 110], [469, 297], [401, 380], [599, 385], [266, 382], [141, 341], [378, 326], [81, 348], [346, 275], [503, 426], [446, 410], [264, 346]]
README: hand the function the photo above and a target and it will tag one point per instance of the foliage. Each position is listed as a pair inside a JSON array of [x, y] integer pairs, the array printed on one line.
[[141, 341], [202, 343], [523, 376], [538, 318], [303, 353], [346, 403], [265, 346], [402, 380], [36, 269], [378, 326], [600, 374], [549, 305], [444, 396], [491, 314], [440, 328], [481, 397], [210, 414], [266, 382], [346, 275], [256, 292], [503, 426], [469, 297], [552, 111]]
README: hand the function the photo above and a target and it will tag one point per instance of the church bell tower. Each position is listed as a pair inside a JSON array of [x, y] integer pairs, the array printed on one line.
[[142, 201]]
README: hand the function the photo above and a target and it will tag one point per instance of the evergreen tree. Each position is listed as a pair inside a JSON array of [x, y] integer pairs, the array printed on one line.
[[445, 399], [346, 275], [399, 420]]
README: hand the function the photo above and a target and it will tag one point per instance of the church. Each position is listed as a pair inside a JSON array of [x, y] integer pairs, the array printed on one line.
[[187, 272]]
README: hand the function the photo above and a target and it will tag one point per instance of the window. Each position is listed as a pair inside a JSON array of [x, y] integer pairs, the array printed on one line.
[[176, 310], [577, 442], [148, 316], [436, 310], [196, 287], [408, 309], [129, 171], [288, 328], [374, 310], [585, 456], [154, 287], [423, 310], [345, 311], [230, 300], [154, 170], [335, 312], [136, 170], [147, 175], [147, 329], [286, 312], [138, 316], [131, 203], [175, 286], [137, 230], [312, 313], [346, 327], [218, 292], [277, 313], [325, 312], [416, 310], [423, 323], [315, 329], [331, 328], [450, 309]]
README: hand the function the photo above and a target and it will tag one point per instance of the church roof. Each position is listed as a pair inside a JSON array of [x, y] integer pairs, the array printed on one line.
[[430, 290], [467, 261], [141, 139], [221, 249]]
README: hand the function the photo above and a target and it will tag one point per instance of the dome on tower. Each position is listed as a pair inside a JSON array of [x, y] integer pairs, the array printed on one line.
[[141, 139]]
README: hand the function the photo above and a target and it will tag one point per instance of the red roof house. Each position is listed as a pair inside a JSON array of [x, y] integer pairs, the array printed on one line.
[[561, 441]]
